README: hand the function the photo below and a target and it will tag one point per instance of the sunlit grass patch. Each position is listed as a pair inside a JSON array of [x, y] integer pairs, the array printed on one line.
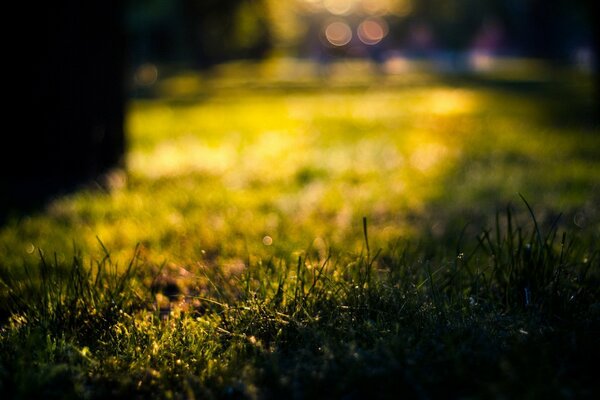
[[248, 197], [220, 171]]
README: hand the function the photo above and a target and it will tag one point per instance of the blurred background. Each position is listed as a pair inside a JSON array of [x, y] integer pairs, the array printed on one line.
[[288, 121], [78, 64], [458, 35]]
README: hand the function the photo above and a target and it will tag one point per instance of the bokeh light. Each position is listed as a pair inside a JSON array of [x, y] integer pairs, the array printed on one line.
[[396, 64], [481, 61], [338, 33], [372, 31], [339, 7], [146, 75]]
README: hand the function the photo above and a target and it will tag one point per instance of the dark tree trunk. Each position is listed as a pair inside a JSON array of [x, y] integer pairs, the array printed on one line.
[[68, 62]]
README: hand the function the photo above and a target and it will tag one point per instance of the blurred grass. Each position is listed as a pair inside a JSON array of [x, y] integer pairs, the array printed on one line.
[[220, 161]]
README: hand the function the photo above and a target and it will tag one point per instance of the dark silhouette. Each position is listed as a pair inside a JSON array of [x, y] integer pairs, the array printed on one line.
[[214, 30], [68, 61]]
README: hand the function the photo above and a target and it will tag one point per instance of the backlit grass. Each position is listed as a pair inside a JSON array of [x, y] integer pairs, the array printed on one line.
[[234, 257]]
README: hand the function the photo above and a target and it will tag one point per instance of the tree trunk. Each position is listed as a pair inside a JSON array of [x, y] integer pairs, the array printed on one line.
[[68, 61]]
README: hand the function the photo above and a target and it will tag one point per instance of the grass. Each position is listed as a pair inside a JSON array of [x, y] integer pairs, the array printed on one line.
[[519, 309], [360, 236]]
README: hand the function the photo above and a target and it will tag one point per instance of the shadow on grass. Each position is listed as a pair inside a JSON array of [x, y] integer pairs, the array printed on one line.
[[569, 101]]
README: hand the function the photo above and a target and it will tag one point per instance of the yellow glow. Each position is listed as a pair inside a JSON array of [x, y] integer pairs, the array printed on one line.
[[401, 8], [372, 31], [375, 6], [286, 27], [182, 156], [338, 33], [451, 102], [427, 156], [339, 7], [382, 7], [370, 7], [181, 85]]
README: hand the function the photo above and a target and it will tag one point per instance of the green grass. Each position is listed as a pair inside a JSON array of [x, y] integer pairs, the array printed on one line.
[[358, 236]]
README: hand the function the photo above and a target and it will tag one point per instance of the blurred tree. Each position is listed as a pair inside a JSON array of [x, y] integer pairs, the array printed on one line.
[[220, 30], [199, 33], [154, 30]]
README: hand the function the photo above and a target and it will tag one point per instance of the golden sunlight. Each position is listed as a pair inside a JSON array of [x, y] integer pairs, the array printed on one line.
[[185, 155], [451, 102], [400, 8], [426, 156], [339, 7]]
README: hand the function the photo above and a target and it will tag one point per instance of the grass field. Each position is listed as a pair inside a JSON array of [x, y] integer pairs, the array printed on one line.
[[284, 234]]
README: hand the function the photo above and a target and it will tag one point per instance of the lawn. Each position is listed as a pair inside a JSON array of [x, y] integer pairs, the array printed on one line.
[[341, 234]]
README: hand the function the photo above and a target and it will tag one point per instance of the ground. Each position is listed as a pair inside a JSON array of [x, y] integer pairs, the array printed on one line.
[[284, 230]]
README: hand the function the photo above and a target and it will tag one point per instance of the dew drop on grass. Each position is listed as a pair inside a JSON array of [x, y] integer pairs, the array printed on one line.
[[267, 240]]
